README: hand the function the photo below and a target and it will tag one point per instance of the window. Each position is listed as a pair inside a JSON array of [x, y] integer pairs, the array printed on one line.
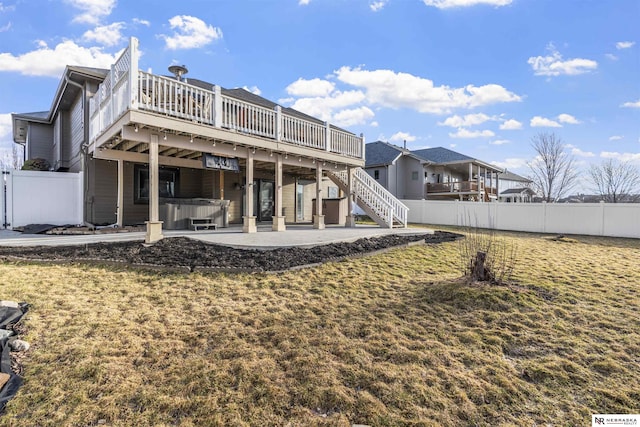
[[167, 183], [333, 193], [414, 175], [376, 174]]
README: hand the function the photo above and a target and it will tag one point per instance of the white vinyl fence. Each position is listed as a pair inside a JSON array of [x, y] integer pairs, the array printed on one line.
[[34, 197], [597, 219]]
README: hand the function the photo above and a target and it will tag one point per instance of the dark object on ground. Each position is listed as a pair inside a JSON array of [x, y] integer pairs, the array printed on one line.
[[9, 316], [192, 254], [37, 228]]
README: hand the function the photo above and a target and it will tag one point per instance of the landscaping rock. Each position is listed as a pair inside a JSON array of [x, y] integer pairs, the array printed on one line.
[[19, 345]]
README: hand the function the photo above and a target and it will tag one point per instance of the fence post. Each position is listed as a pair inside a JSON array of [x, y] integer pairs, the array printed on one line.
[[278, 134], [544, 216], [133, 73], [602, 208], [217, 106], [9, 201], [327, 136]]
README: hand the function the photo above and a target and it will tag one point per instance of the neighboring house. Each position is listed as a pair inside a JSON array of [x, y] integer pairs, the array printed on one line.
[[515, 188], [432, 173], [157, 149]]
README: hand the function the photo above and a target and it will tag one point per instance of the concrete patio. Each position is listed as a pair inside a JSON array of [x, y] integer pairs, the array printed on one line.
[[265, 238]]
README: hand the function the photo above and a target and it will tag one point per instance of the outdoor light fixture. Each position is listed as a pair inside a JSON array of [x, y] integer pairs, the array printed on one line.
[[213, 144], [254, 151], [135, 128], [324, 163], [336, 166], [271, 154], [299, 159], [234, 148], [314, 161], [165, 136], [286, 156], [191, 139]]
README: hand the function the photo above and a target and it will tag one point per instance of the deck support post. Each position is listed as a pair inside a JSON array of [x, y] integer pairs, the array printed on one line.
[[350, 220], [154, 225], [318, 218], [120, 201], [248, 220], [278, 219]]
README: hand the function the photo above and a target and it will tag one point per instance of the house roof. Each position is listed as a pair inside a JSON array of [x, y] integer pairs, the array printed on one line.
[[513, 177], [381, 153], [442, 155], [518, 191]]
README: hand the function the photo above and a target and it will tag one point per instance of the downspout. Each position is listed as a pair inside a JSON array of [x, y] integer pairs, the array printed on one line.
[[84, 164]]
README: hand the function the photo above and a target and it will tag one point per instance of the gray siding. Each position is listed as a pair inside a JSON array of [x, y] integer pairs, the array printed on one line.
[[56, 147], [39, 141], [102, 191], [72, 151]]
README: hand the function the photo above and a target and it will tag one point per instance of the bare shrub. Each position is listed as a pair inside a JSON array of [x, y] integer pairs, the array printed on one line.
[[485, 257]]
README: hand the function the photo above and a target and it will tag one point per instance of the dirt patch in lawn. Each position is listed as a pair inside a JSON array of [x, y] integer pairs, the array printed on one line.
[[191, 255]]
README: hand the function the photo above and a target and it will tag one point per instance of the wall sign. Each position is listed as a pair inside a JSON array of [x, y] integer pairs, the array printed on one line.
[[209, 161]]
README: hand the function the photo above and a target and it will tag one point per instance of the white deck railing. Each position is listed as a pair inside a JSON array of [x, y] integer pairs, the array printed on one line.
[[122, 90], [370, 189], [377, 198]]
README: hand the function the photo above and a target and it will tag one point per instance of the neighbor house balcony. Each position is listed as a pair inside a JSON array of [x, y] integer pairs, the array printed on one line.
[[171, 105], [461, 188]]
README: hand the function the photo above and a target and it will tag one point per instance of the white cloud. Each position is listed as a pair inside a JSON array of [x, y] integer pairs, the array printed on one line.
[[402, 90], [623, 157], [377, 5], [500, 142], [569, 119], [313, 87], [253, 89], [467, 134], [323, 107], [5, 27], [465, 121], [374, 124], [635, 104], [624, 45], [578, 152], [511, 163], [554, 65], [7, 8], [141, 22], [402, 136], [304, 2], [453, 145], [538, 121], [611, 56], [511, 124], [352, 117], [615, 137], [5, 124], [92, 10], [190, 33], [45, 61], [106, 35], [448, 4]]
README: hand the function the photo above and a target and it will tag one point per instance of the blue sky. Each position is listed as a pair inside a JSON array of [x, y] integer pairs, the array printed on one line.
[[478, 76]]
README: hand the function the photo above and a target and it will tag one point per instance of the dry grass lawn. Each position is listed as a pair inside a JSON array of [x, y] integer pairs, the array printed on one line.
[[388, 340]]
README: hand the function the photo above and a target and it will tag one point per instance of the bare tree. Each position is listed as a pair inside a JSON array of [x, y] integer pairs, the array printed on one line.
[[616, 181], [18, 156], [553, 174]]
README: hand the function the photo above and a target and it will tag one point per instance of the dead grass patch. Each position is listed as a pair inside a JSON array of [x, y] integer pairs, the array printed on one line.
[[389, 340]]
